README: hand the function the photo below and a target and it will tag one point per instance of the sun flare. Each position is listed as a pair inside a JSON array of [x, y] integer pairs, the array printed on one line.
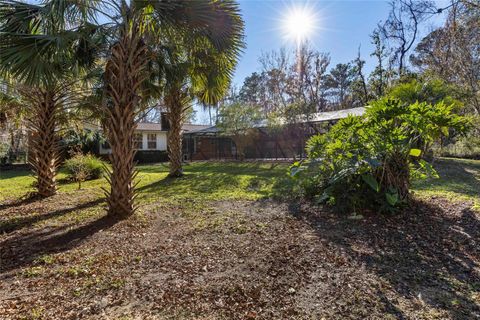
[[299, 24]]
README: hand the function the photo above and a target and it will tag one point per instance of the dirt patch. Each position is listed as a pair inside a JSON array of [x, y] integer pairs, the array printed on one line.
[[242, 260]]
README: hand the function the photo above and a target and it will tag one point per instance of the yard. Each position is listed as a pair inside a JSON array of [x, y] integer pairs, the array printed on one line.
[[228, 241]]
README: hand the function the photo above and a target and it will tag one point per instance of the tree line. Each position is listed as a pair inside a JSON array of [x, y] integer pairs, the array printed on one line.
[[303, 82]]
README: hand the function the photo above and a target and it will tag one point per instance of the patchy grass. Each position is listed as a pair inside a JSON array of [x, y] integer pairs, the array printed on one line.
[[205, 246], [459, 181], [202, 181], [206, 181]]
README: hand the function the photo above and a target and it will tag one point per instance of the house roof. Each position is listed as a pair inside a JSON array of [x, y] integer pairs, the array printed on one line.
[[190, 127], [150, 126], [146, 126], [317, 117], [207, 130], [338, 114]]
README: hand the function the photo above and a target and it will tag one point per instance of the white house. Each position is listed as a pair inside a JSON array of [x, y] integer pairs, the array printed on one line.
[[148, 136], [151, 137]]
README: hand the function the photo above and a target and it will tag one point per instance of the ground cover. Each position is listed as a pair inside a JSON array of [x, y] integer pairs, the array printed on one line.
[[223, 243]]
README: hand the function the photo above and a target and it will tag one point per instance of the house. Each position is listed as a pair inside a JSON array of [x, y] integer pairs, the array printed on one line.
[[150, 140], [262, 143]]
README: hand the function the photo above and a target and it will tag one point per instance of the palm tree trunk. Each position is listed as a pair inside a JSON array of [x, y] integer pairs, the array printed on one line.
[[175, 116], [44, 155], [124, 76]]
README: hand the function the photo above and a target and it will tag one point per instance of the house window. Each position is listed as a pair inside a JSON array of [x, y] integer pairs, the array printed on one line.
[[138, 141], [152, 140]]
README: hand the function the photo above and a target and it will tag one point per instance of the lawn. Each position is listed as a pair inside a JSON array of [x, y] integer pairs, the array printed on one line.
[[459, 180], [229, 241], [202, 181]]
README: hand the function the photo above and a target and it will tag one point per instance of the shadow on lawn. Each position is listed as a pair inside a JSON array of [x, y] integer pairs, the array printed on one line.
[[26, 199], [209, 180], [17, 223], [23, 248], [461, 178], [201, 183], [429, 254]]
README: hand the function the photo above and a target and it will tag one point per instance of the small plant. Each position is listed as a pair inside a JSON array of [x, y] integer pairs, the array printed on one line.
[[33, 271], [45, 259], [81, 168]]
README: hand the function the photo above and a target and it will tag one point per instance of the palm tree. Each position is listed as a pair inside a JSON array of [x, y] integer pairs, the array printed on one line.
[[134, 32], [144, 29], [42, 54], [196, 70]]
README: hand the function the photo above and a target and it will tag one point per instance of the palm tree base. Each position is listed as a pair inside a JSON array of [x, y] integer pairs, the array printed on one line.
[[176, 174], [47, 192]]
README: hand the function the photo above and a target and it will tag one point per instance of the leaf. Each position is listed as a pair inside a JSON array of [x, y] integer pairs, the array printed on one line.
[[415, 152], [445, 131], [428, 169], [296, 168], [392, 198], [371, 181], [373, 162]]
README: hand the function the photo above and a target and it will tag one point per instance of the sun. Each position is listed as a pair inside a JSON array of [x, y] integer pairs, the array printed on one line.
[[299, 23]]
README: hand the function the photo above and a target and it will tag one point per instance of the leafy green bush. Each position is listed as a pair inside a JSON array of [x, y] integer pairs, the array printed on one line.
[[84, 167], [83, 140], [367, 162], [429, 91], [461, 147]]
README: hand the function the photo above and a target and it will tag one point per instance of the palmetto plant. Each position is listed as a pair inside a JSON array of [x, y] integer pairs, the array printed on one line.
[[42, 53]]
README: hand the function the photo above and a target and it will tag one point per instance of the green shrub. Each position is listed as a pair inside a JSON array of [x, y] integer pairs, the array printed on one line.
[[84, 141], [367, 162], [462, 147], [81, 167]]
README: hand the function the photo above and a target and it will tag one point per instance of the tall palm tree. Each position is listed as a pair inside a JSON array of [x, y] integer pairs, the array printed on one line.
[[144, 29], [196, 70], [41, 52], [134, 33]]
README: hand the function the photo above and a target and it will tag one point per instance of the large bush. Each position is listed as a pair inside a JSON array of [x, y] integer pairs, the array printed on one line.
[[367, 162], [84, 141], [83, 167]]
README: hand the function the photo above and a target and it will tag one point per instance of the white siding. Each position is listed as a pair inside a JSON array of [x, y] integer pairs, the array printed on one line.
[[161, 142], [144, 141]]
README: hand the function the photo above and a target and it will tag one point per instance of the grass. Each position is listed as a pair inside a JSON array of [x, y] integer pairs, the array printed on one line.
[[204, 181], [459, 180], [179, 236]]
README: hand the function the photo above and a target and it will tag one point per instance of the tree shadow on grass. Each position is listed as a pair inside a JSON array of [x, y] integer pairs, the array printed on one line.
[[267, 180], [201, 183], [28, 198], [23, 248], [429, 254], [463, 178], [17, 223]]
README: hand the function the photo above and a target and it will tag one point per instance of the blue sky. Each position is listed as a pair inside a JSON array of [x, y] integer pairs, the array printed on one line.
[[342, 26]]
